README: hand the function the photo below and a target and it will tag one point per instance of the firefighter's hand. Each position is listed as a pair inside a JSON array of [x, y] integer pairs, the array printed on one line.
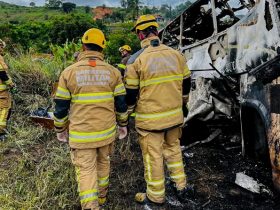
[[122, 132], [63, 136]]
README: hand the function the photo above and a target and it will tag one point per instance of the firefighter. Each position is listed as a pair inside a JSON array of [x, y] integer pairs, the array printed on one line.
[[126, 53], [6, 84], [157, 80], [89, 100]]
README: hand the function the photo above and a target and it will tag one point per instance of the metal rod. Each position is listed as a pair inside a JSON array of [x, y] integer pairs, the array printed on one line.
[[181, 31], [214, 16]]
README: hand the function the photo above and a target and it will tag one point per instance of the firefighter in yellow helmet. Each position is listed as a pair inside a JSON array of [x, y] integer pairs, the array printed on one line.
[[5, 97], [90, 99], [125, 53], [157, 80]]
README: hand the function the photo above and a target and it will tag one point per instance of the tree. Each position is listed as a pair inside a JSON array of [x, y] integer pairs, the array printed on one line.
[[87, 9], [132, 6], [146, 10], [166, 10], [68, 7], [32, 4], [53, 3], [124, 3], [180, 8], [120, 37]]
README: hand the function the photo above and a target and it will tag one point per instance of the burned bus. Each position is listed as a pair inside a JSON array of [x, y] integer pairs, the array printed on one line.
[[232, 48]]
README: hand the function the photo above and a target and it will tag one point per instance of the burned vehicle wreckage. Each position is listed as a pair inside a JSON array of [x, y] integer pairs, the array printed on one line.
[[232, 48]]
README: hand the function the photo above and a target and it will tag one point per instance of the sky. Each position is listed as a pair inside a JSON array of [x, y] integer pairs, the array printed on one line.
[[96, 2]]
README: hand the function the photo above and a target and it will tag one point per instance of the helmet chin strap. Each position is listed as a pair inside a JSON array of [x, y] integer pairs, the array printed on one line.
[[141, 36]]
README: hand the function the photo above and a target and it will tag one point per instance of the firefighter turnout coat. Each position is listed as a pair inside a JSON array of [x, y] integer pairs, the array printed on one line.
[[155, 74], [89, 99]]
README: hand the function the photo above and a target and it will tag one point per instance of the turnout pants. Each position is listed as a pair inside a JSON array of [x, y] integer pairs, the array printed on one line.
[[5, 107], [92, 174], [158, 147]]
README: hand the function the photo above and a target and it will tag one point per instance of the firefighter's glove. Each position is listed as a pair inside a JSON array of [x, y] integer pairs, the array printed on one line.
[[122, 132], [63, 136]]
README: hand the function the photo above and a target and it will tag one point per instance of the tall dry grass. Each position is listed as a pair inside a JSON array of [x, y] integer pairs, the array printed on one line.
[[35, 170]]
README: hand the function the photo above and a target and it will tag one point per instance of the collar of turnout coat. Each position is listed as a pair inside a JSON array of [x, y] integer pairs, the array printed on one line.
[[90, 54], [146, 42]]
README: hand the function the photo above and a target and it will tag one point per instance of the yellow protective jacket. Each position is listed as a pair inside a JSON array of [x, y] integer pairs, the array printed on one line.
[[5, 80], [90, 95], [155, 77]]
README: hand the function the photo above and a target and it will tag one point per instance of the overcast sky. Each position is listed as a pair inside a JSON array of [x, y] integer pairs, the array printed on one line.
[[96, 2]]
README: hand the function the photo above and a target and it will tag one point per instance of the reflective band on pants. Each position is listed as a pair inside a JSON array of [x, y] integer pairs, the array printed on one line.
[[175, 165], [149, 168], [157, 193], [3, 118], [89, 195], [151, 182], [103, 182], [83, 137], [156, 183], [178, 176]]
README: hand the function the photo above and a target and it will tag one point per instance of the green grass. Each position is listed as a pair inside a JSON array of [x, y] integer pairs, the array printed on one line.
[[35, 169], [19, 14]]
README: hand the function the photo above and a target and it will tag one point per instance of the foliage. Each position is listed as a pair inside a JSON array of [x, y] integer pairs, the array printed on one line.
[[68, 7], [34, 72], [87, 9], [32, 4], [70, 27], [180, 8], [57, 30], [119, 37], [132, 7], [65, 54], [53, 3]]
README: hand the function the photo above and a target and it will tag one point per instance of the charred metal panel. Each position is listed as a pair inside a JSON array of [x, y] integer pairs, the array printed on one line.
[[246, 48], [275, 98]]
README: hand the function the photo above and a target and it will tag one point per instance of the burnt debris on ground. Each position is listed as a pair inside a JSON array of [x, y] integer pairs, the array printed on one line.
[[211, 168]]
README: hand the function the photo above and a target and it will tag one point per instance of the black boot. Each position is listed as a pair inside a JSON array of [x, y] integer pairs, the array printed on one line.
[[185, 194]]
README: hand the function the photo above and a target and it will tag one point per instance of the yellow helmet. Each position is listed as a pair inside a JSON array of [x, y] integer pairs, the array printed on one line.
[[145, 21], [94, 36], [125, 47]]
